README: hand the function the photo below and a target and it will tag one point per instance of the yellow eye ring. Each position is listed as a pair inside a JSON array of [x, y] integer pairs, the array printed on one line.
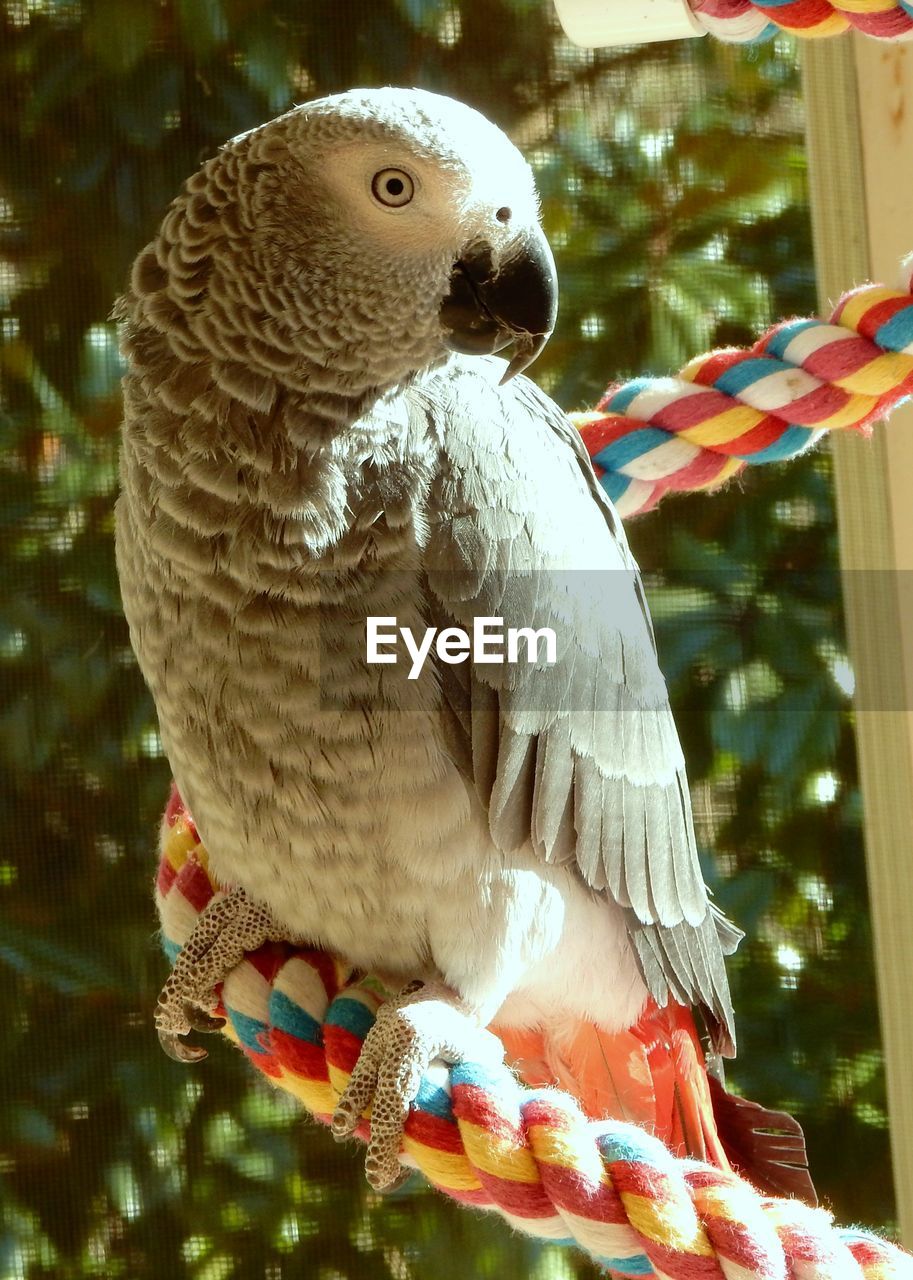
[[392, 187]]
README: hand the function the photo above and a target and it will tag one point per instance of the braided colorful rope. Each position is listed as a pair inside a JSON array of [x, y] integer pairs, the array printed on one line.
[[652, 436], [747, 21], [529, 1155], [478, 1136]]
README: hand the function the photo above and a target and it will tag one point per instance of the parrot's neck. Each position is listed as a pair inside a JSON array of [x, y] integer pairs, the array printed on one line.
[[233, 403], [224, 315], [235, 463]]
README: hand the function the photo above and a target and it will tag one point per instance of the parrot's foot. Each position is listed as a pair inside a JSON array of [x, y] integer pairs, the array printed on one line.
[[224, 931], [422, 1023]]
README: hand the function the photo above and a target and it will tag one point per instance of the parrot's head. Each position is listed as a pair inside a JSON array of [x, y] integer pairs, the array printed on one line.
[[428, 217], [360, 238]]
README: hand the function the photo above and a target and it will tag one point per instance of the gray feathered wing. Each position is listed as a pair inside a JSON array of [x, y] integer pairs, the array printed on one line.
[[581, 756]]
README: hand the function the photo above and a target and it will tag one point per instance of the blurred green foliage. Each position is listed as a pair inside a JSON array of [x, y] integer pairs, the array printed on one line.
[[674, 191]]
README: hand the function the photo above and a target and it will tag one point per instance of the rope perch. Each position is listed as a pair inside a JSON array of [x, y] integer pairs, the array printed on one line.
[[529, 1155], [766, 403], [746, 21], [477, 1135]]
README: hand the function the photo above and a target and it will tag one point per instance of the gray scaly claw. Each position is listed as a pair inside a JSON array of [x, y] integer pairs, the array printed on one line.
[[422, 1023], [229, 927]]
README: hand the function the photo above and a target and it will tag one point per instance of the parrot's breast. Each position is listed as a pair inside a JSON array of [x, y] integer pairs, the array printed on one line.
[[307, 770], [330, 788]]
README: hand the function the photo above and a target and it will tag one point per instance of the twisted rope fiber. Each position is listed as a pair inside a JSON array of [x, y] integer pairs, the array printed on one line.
[[748, 21], [529, 1155], [769, 402]]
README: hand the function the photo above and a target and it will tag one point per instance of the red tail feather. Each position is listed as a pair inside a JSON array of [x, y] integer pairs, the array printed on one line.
[[654, 1075]]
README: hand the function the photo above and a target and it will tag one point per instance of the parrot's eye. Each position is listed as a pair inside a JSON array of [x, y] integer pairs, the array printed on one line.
[[393, 187]]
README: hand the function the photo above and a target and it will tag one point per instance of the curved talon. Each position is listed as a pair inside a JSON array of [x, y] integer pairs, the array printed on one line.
[[345, 1120], [200, 1020], [339, 1126], [178, 1050], [384, 1185]]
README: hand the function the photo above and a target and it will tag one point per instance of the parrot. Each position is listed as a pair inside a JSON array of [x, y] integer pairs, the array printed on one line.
[[319, 431]]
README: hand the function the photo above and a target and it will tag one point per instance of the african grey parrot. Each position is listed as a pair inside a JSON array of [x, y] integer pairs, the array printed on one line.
[[316, 433]]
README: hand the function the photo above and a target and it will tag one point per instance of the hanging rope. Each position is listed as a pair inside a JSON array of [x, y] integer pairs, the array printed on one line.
[[746, 21], [766, 403], [529, 1155]]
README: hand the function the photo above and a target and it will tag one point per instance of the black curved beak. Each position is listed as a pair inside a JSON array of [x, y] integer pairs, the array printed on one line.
[[512, 301]]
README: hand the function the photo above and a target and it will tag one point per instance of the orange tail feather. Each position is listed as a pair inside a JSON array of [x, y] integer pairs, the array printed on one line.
[[652, 1075]]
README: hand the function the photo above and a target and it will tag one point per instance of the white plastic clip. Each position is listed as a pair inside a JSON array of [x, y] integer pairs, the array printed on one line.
[[596, 23]]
